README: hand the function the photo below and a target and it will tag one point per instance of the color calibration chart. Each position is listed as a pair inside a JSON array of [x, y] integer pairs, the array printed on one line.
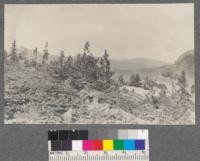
[[98, 145]]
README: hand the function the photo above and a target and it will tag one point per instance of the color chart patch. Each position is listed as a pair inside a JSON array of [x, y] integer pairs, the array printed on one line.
[[102, 145]]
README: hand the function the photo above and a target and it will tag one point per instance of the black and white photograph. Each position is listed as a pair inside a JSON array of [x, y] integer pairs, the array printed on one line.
[[99, 64]]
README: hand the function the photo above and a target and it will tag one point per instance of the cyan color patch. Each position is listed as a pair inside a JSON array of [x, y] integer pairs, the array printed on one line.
[[129, 144]]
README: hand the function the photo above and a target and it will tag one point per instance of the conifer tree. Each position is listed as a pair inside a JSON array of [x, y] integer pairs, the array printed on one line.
[[108, 72], [35, 52], [60, 65], [87, 48], [61, 59], [45, 55], [13, 55], [34, 58], [132, 80], [68, 70], [121, 80], [137, 80], [102, 69], [182, 83]]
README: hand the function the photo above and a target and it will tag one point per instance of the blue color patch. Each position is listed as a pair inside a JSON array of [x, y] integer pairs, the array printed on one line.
[[129, 144], [140, 144]]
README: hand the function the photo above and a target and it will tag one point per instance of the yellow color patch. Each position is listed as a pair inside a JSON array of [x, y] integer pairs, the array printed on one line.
[[107, 144]]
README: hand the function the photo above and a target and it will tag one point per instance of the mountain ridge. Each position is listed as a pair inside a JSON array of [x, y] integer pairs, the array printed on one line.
[[136, 63], [184, 62]]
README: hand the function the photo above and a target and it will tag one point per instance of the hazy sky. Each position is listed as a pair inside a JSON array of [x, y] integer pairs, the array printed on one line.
[[157, 31]]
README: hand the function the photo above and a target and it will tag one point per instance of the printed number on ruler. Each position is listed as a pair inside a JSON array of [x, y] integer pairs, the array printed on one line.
[[98, 145]]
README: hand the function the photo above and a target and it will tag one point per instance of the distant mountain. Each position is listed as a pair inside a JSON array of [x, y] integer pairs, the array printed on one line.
[[184, 62], [135, 64]]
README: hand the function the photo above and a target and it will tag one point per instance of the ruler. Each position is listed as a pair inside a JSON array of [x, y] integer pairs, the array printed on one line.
[[98, 156], [120, 145]]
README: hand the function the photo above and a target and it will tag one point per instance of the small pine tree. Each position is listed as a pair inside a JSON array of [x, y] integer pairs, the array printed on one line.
[[132, 80], [68, 68], [78, 67], [13, 55], [146, 83], [60, 65], [61, 60], [86, 51], [34, 58], [78, 62], [46, 54], [108, 72], [69, 61], [182, 83], [87, 48], [137, 80], [92, 68], [35, 52], [101, 69], [182, 80], [121, 80]]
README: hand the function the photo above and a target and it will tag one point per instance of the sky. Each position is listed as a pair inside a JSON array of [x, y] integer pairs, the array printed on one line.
[[155, 31]]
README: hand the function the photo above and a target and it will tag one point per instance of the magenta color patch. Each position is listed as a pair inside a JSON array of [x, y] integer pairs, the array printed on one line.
[[87, 145]]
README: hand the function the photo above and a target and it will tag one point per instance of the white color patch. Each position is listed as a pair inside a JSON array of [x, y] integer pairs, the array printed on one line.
[[77, 145], [143, 134]]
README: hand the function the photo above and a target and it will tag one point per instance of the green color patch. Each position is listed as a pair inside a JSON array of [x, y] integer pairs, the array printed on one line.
[[118, 145]]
